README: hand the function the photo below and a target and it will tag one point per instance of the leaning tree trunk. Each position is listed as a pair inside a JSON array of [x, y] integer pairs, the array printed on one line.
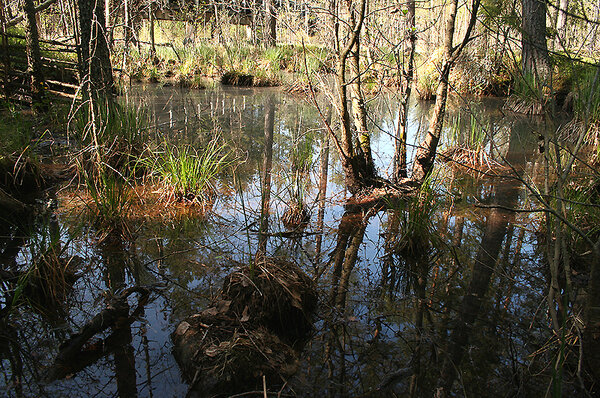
[[34, 56], [95, 67], [426, 152]]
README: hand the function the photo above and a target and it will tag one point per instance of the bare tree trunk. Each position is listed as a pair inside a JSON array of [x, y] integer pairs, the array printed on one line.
[[426, 152], [335, 24], [561, 23], [358, 172], [95, 67], [5, 52], [536, 61], [270, 37], [34, 56], [359, 113], [126, 33], [151, 22], [107, 23], [400, 163]]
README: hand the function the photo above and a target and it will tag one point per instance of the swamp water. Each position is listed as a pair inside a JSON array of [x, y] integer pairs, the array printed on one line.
[[397, 289]]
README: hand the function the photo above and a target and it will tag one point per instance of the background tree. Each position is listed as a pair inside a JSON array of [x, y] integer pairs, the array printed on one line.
[[270, 34], [34, 56], [95, 66], [406, 73], [536, 62]]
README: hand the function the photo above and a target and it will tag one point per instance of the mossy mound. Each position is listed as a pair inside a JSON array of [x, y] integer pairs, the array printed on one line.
[[296, 218], [239, 79], [274, 293], [255, 328], [219, 356]]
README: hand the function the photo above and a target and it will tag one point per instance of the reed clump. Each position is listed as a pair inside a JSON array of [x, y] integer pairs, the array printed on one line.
[[186, 174], [467, 150]]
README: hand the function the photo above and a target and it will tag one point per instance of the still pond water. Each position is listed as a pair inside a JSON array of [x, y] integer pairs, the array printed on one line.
[[395, 287]]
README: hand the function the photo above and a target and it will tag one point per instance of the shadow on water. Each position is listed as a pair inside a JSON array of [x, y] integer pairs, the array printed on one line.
[[436, 295]]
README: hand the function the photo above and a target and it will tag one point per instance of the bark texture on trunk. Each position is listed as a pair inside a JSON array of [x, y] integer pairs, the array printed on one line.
[[359, 112], [95, 67], [34, 56], [536, 61], [357, 162], [400, 162], [270, 24], [561, 22], [425, 156]]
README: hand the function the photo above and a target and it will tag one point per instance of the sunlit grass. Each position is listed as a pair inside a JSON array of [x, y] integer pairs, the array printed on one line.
[[188, 174]]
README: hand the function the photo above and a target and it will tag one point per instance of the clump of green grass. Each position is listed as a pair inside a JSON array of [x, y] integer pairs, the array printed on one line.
[[472, 138], [111, 134], [111, 200], [417, 228], [113, 138], [187, 174], [467, 147], [527, 95], [584, 196], [587, 100], [584, 98], [415, 240]]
